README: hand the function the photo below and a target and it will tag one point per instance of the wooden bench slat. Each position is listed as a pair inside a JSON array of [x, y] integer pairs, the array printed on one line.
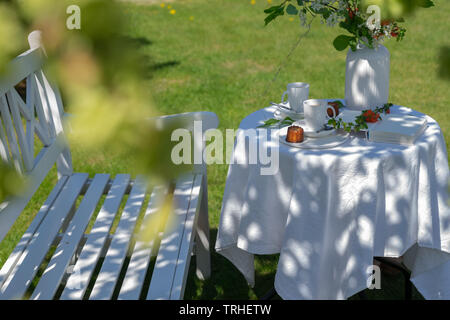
[[13, 207], [53, 274], [30, 124], [12, 139], [51, 102], [22, 107], [17, 119], [109, 273], [20, 67], [4, 149], [42, 129], [140, 258], [30, 232], [84, 267], [187, 242], [43, 103], [16, 285], [166, 261]]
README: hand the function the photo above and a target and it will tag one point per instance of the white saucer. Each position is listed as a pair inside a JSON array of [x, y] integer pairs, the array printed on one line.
[[285, 111], [314, 134], [327, 142]]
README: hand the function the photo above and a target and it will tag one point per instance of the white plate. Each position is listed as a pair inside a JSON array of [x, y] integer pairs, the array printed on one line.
[[314, 134], [282, 113], [348, 115], [327, 142]]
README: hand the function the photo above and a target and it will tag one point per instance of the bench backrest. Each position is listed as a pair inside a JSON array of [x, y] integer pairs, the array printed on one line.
[[39, 115]]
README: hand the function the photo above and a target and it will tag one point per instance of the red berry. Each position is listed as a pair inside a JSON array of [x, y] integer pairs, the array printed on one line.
[[371, 116], [350, 13]]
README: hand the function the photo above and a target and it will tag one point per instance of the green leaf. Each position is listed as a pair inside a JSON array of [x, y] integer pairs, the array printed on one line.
[[341, 42], [278, 11], [291, 10], [332, 122], [340, 104], [353, 43], [300, 2], [285, 123], [425, 3], [269, 123], [326, 14], [272, 9]]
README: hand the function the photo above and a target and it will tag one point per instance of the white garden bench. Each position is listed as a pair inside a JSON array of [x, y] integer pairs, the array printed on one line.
[[91, 265]]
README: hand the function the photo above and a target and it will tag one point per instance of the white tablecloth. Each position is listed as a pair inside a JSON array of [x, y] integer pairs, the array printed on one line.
[[329, 212]]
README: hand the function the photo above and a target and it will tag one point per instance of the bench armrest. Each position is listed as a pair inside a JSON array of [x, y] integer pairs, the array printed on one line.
[[209, 120]]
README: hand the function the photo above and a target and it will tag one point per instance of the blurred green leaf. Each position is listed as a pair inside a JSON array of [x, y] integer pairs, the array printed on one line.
[[444, 63], [11, 182], [268, 123], [425, 3], [274, 12], [341, 42], [292, 10]]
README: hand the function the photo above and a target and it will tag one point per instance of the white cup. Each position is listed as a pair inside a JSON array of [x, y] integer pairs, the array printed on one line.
[[316, 113], [297, 92]]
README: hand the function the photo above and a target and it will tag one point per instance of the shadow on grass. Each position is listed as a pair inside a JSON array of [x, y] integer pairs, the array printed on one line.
[[149, 65], [137, 41], [226, 282]]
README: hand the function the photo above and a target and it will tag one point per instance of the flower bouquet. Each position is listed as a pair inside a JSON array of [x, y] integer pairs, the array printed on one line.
[[368, 22]]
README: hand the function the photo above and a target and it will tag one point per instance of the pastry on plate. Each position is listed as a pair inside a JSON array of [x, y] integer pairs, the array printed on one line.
[[294, 134]]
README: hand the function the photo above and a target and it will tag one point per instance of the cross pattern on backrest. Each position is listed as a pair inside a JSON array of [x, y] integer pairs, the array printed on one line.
[[39, 115]]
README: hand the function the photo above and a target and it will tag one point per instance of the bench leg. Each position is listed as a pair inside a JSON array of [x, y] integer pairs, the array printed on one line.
[[203, 255]]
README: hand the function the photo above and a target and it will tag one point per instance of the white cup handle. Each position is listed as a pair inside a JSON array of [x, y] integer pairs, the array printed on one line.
[[282, 97]]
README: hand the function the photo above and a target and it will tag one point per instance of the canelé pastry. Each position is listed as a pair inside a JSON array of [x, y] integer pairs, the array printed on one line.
[[294, 134]]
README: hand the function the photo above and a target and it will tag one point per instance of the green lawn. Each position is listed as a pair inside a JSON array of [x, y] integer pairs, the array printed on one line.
[[218, 56]]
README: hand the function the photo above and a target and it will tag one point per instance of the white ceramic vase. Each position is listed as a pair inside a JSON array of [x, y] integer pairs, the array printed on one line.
[[367, 78]]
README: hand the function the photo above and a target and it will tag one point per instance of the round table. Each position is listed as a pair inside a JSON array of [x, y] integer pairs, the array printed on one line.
[[328, 212]]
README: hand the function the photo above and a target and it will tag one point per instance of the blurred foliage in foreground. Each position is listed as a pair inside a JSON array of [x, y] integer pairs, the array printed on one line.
[[444, 57], [397, 9], [10, 181], [99, 73]]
